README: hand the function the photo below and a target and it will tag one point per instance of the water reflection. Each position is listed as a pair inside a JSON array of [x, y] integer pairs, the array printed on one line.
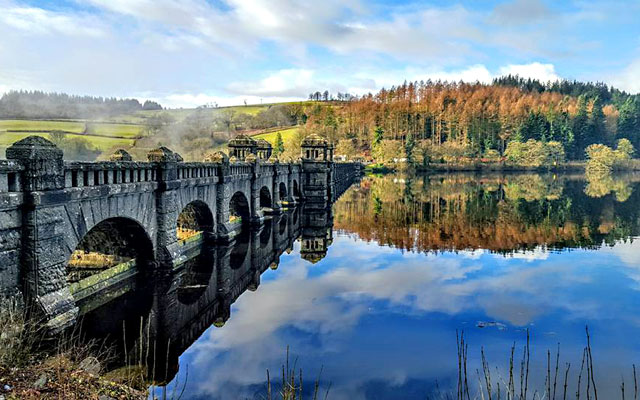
[[497, 213], [377, 299], [152, 324]]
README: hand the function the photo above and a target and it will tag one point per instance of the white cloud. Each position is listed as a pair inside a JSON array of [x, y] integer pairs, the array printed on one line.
[[186, 52], [286, 82], [629, 78], [188, 100], [535, 70], [520, 12], [37, 21]]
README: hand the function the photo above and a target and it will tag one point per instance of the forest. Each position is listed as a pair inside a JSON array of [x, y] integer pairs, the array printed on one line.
[[455, 121], [40, 105]]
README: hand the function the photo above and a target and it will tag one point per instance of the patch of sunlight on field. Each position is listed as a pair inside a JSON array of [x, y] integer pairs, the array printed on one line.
[[103, 143], [119, 130], [96, 128], [288, 135], [36, 125]]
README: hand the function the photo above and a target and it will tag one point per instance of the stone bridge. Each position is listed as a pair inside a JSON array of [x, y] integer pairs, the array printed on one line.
[[51, 209]]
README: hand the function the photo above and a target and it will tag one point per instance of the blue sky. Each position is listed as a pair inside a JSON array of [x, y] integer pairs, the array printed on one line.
[[191, 52]]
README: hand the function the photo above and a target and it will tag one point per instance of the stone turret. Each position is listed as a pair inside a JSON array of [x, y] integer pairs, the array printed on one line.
[[264, 149], [241, 146], [317, 167], [315, 148]]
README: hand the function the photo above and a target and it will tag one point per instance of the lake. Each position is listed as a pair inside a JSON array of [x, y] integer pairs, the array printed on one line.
[[371, 297]]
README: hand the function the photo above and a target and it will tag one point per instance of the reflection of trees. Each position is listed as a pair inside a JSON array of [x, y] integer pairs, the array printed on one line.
[[499, 213], [601, 184]]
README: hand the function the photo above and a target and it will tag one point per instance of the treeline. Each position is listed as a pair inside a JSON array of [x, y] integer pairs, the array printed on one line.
[[327, 96], [40, 105], [470, 120]]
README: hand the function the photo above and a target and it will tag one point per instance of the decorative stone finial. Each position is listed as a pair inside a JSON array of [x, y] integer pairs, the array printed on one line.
[[216, 157], [274, 265], [233, 159], [42, 161], [163, 154], [121, 155], [34, 147]]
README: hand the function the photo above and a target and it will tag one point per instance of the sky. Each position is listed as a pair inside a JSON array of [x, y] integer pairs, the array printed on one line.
[[192, 52]]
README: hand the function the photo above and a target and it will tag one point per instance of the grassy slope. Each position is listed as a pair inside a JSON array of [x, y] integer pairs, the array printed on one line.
[[287, 136], [120, 131]]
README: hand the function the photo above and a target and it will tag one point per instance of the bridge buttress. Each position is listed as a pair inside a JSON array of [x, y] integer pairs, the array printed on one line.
[[166, 166], [275, 190], [257, 216], [43, 260]]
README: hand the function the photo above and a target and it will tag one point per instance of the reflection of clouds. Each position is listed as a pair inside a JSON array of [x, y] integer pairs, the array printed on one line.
[[539, 253], [325, 304], [629, 253]]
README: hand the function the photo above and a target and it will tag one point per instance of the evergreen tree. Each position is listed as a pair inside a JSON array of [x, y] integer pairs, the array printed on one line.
[[629, 122], [378, 135], [279, 147], [597, 129], [409, 146], [581, 128]]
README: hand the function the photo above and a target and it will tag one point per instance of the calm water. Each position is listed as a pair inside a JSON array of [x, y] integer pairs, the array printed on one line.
[[409, 261]]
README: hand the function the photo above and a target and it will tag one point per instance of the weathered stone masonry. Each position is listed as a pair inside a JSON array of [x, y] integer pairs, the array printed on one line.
[[47, 205]]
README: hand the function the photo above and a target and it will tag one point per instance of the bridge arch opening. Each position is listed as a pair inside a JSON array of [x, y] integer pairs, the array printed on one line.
[[265, 198], [239, 250], [265, 235], [296, 189], [195, 218], [239, 210], [195, 278], [112, 242], [282, 192], [282, 225]]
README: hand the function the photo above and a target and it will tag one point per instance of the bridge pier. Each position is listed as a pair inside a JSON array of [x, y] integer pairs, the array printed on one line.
[[43, 260], [165, 162]]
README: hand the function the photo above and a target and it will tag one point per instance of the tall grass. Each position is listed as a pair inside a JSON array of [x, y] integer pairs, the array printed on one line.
[[516, 385], [292, 385]]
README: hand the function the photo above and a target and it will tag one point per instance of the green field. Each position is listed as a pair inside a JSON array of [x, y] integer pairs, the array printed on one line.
[[117, 130], [103, 143], [37, 125], [288, 135]]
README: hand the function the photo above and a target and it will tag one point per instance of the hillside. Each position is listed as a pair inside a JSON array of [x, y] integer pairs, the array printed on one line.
[[523, 121], [190, 131]]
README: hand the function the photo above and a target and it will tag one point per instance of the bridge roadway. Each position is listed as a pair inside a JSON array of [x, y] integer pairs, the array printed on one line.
[[49, 208]]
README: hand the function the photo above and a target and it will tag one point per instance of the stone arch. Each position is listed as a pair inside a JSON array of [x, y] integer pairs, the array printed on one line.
[[265, 198], [239, 208], [282, 225], [239, 250], [195, 217], [282, 191], [195, 278], [265, 235], [111, 242], [296, 189]]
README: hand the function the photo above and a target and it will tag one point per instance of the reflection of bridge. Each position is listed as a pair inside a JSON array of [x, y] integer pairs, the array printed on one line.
[[176, 309], [50, 208]]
